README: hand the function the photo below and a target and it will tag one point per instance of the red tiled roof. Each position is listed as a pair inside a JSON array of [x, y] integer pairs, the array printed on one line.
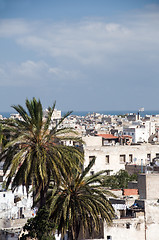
[[108, 136], [128, 192], [126, 136]]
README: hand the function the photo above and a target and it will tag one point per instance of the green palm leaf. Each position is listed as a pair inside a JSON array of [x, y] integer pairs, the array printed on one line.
[[80, 203], [34, 153]]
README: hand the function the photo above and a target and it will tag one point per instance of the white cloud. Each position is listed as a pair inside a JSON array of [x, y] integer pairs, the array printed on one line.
[[87, 42], [14, 27], [21, 74], [31, 73], [30, 69], [83, 42], [92, 42], [96, 54]]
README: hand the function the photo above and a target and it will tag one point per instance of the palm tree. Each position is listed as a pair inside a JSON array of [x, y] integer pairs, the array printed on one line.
[[3, 137], [80, 203], [35, 153]]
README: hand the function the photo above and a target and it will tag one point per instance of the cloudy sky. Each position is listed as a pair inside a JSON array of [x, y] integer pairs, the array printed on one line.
[[88, 55]]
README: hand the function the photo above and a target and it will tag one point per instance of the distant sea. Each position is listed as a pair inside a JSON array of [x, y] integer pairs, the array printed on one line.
[[84, 113], [119, 112]]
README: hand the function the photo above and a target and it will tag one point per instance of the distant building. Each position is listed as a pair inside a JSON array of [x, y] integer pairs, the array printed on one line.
[[16, 116], [55, 118]]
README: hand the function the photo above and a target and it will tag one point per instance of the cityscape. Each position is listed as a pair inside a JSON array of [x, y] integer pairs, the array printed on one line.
[[129, 143], [79, 120]]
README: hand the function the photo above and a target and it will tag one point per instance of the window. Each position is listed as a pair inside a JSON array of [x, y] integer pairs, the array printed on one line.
[[157, 155], [107, 159], [108, 172], [130, 157], [149, 156], [91, 158], [92, 172], [122, 158], [105, 142], [128, 225], [109, 237], [4, 195]]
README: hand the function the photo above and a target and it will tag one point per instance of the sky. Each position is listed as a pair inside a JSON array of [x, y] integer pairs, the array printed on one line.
[[88, 55]]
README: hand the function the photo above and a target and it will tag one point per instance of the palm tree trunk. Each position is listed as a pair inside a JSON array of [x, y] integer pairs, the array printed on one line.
[[78, 225], [43, 193], [42, 197]]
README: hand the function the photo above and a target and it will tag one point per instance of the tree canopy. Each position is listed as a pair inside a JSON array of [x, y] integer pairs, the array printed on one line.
[[80, 203], [35, 154], [119, 180], [39, 227]]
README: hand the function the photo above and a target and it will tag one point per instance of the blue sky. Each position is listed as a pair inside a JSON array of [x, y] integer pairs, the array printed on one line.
[[87, 55]]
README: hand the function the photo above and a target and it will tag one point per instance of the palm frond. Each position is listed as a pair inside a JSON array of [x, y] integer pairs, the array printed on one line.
[[34, 154]]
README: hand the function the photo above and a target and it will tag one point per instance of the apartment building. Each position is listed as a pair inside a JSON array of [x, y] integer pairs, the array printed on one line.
[[140, 131], [115, 157], [141, 220]]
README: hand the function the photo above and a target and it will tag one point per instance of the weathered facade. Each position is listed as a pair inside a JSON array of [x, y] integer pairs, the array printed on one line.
[[114, 158], [141, 219]]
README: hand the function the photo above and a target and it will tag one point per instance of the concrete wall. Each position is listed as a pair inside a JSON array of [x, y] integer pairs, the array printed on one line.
[[152, 186], [12, 223], [119, 231], [92, 141], [9, 228], [145, 226], [100, 154], [142, 186], [133, 168], [152, 219], [93, 147], [148, 185], [8, 236]]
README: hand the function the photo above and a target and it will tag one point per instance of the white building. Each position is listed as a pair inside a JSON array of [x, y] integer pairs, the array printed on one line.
[[140, 131], [144, 224], [6, 204], [55, 118], [15, 205], [16, 116], [114, 158], [56, 115]]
